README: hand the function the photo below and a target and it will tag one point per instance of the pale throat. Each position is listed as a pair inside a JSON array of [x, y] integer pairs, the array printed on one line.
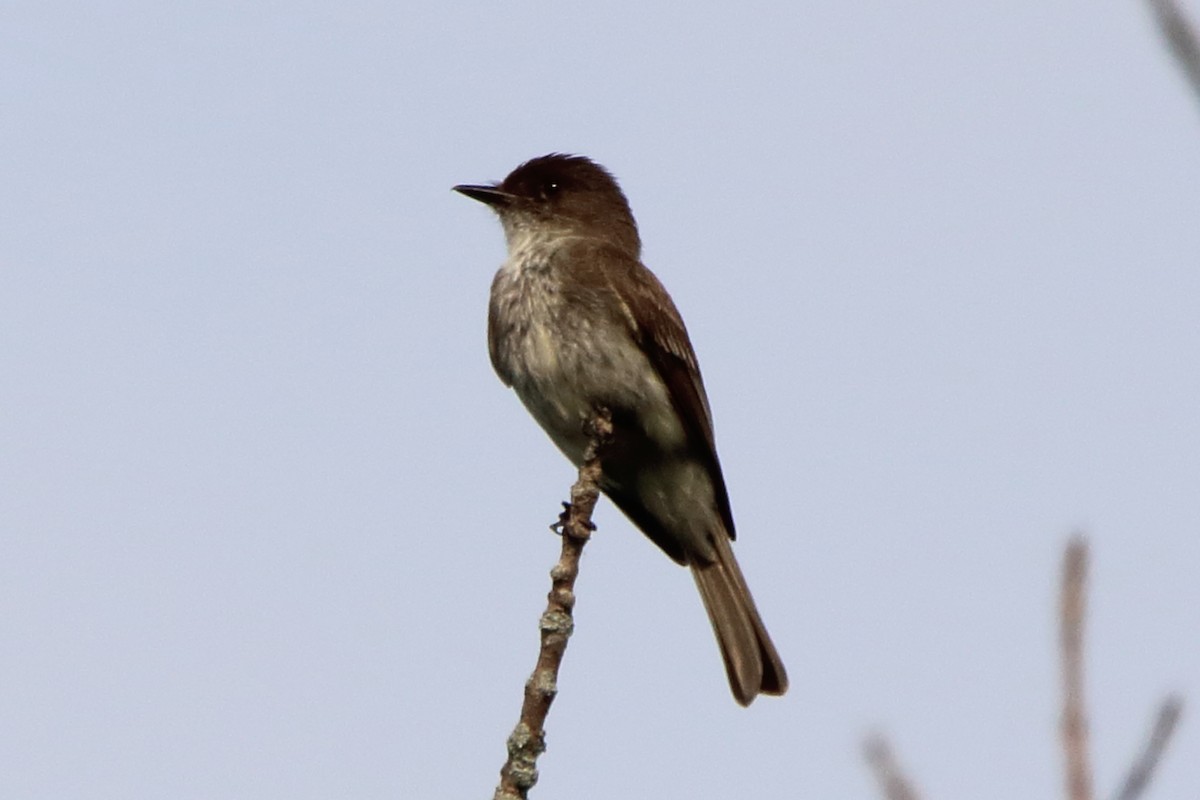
[[528, 237]]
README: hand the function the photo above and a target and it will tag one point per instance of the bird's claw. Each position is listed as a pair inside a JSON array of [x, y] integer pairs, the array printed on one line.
[[560, 525]]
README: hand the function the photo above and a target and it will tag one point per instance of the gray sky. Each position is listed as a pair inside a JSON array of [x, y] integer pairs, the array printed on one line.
[[271, 528]]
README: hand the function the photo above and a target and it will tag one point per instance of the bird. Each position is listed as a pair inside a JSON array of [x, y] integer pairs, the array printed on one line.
[[577, 323]]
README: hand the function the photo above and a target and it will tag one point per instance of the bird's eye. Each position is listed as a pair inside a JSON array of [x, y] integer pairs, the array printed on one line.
[[549, 189]]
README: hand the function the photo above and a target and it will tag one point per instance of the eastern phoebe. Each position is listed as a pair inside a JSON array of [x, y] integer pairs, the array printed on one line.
[[576, 323]]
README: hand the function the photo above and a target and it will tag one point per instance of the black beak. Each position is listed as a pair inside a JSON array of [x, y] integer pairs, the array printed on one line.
[[488, 195]]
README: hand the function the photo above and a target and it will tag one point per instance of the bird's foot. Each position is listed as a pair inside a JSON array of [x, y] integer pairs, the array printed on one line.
[[561, 523]]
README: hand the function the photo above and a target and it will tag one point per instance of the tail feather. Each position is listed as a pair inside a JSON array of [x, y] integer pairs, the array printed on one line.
[[751, 662]]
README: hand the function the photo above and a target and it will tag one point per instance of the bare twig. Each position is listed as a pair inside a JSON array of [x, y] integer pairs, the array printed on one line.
[[1181, 38], [1074, 724], [1143, 769], [894, 784], [528, 739]]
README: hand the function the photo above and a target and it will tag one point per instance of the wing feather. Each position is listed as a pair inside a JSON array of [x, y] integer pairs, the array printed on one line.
[[659, 330]]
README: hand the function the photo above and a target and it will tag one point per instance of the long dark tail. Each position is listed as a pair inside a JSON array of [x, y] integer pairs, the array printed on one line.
[[751, 662]]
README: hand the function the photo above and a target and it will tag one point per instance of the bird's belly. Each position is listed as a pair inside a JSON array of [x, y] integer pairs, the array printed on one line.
[[569, 370]]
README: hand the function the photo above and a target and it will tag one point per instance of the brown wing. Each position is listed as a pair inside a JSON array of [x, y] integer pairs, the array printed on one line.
[[659, 330]]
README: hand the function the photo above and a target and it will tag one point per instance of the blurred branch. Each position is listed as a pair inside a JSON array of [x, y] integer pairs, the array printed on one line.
[[892, 780], [1074, 726], [1143, 769], [528, 739], [1181, 38]]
